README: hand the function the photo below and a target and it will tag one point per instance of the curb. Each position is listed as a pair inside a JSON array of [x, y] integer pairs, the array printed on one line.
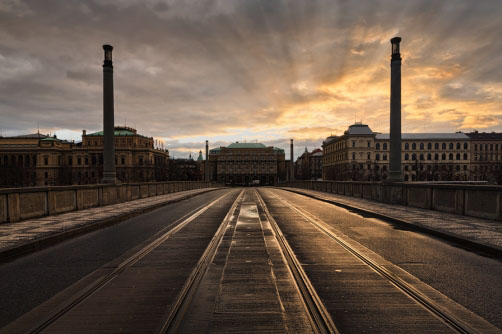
[[16, 251], [484, 247]]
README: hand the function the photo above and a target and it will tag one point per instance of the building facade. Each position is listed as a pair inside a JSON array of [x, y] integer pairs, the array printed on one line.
[[361, 154], [308, 166], [243, 163], [486, 156], [39, 160]]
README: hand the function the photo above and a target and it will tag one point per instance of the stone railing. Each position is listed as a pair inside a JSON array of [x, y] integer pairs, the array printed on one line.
[[25, 203], [484, 201]]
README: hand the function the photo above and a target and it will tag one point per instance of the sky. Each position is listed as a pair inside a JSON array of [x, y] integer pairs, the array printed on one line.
[[248, 70]]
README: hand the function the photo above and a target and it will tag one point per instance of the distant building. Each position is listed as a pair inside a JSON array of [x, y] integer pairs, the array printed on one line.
[[38, 160], [185, 170], [308, 166], [486, 156], [243, 163], [361, 154]]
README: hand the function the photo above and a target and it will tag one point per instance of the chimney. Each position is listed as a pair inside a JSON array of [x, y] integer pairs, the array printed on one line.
[[395, 173]]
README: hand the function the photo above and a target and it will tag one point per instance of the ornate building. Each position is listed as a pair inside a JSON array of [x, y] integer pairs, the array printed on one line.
[[361, 154], [37, 160], [243, 163], [308, 166]]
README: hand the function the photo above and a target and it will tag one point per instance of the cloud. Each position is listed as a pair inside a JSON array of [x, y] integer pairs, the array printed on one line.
[[192, 69]]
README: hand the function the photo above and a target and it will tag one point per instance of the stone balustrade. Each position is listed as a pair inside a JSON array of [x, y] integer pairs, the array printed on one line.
[[25, 203], [484, 201]]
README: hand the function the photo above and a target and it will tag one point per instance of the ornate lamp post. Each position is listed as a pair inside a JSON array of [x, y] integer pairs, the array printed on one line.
[[109, 174], [395, 173]]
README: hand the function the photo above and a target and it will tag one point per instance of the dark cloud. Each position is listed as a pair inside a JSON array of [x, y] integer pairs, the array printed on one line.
[[197, 68]]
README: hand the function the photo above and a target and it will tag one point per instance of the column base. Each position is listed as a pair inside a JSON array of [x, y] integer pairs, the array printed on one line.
[[110, 178], [395, 176]]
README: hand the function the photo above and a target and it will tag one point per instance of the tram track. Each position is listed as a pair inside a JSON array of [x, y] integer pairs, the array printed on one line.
[[427, 303], [95, 286], [177, 313], [318, 315]]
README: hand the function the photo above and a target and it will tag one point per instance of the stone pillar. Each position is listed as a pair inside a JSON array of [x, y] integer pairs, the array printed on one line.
[[292, 164], [109, 175], [395, 173], [206, 164]]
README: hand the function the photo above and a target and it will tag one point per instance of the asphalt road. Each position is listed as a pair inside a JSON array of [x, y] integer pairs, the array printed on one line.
[[28, 281], [469, 278]]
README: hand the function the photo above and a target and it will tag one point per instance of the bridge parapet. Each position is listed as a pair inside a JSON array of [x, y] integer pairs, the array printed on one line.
[[476, 200], [25, 203]]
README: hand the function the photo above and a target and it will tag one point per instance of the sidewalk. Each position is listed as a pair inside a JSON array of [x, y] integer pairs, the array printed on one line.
[[483, 234], [29, 235]]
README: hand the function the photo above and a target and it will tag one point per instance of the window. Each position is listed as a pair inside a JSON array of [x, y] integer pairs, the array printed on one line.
[[450, 157], [79, 161], [443, 146], [414, 146], [406, 156], [353, 144], [458, 146], [406, 167], [436, 146], [377, 146], [421, 156], [46, 160], [465, 146], [421, 146], [457, 167], [369, 156], [406, 146], [429, 156], [122, 160], [377, 156], [384, 146], [86, 160], [385, 157], [451, 146], [429, 146], [353, 156], [369, 144], [458, 156], [413, 156], [443, 156], [465, 156], [70, 161]]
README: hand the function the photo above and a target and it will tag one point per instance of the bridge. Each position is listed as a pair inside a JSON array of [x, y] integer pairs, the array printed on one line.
[[195, 257]]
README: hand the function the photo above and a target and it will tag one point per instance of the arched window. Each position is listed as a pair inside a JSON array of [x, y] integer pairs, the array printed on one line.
[[429, 146], [436, 146], [465, 156], [406, 156], [429, 156], [377, 146], [414, 146], [458, 156], [436, 156], [377, 156], [421, 156], [450, 157], [413, 156], [421, 146], [384, 146], [465, 146], [406, 146], [369, 156], [385, 157], [353, 156], [458, 146], [443, 146], [443, 156], [451, 146]]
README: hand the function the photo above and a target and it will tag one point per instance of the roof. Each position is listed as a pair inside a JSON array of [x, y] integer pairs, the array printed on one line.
[[200, 158], [359, 129], [425, 136], [484, 135], [246, 145], [118, 132], [30, 136]]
